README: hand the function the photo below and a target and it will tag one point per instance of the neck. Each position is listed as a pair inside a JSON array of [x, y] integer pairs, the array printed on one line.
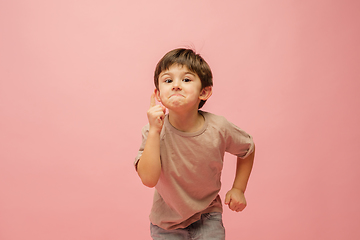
[[186, 122]]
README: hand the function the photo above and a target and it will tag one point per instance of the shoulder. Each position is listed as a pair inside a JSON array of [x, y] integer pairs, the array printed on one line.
[[212, 116], [215, 120], [216, 124], [145, 129], [222, 124]]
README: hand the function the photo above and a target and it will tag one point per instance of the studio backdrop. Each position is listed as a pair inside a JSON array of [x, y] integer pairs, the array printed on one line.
[[75, 84]]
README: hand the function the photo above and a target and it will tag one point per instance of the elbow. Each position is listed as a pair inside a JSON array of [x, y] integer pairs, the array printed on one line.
[[148, 177], [149, 182]]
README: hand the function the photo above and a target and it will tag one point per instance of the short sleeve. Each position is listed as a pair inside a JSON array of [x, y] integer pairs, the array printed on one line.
[[238, 142], [144, 132]]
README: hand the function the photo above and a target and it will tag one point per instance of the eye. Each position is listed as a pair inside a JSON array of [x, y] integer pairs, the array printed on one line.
[[168, 80], [187, 80]]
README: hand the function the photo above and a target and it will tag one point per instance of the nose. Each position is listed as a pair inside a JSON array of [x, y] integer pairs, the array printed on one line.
[[176, 85]]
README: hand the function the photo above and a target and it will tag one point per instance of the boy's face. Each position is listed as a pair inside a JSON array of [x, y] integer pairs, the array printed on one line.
[[180, 89]]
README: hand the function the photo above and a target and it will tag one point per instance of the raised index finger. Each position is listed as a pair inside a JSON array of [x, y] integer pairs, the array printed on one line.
[[152, 100]]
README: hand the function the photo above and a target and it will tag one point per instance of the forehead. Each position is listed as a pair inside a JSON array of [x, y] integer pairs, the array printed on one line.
[[177, 69]]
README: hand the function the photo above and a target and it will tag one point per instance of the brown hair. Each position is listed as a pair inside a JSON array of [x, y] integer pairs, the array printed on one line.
[[185, 57]]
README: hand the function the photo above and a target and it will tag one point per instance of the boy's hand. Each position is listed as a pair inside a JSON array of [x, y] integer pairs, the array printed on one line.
[[156, 114], [235, 199]]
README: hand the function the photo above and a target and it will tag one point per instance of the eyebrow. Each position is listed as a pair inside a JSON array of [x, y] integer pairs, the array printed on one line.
[[167, 73], [163, 74], [191, 73]]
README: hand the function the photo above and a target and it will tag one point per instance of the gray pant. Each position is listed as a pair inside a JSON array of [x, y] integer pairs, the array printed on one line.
[[209, 227]]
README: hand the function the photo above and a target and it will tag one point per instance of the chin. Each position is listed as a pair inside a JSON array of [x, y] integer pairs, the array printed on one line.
[[175, 103], [175, 106]]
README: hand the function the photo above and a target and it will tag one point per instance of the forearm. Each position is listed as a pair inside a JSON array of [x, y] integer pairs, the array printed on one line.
[[149, 165], [243, 170]]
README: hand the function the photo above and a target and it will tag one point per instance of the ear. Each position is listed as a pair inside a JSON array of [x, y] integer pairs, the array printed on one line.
[[205, 93], [157, 94]]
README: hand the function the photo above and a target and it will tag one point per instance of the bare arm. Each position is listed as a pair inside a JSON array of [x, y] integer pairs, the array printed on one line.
[[235, 198], [149, 165], [243, 170]]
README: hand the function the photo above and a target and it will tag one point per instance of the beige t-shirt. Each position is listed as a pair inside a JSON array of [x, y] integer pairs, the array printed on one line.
[[191, 165]]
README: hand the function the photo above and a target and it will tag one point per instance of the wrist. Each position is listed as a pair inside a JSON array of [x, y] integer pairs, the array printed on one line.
[[241, 189], [154, 131]]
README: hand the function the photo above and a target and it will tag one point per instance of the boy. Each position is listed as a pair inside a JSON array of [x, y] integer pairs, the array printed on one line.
[[182, 152]]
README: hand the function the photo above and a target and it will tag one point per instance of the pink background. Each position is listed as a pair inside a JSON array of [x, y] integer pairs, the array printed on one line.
[[75, 82]]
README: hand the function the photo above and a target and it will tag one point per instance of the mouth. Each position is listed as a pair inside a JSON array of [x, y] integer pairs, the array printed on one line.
[[176, 95]]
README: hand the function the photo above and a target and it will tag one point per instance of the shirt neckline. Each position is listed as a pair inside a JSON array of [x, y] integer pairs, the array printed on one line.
[[187, 134]]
